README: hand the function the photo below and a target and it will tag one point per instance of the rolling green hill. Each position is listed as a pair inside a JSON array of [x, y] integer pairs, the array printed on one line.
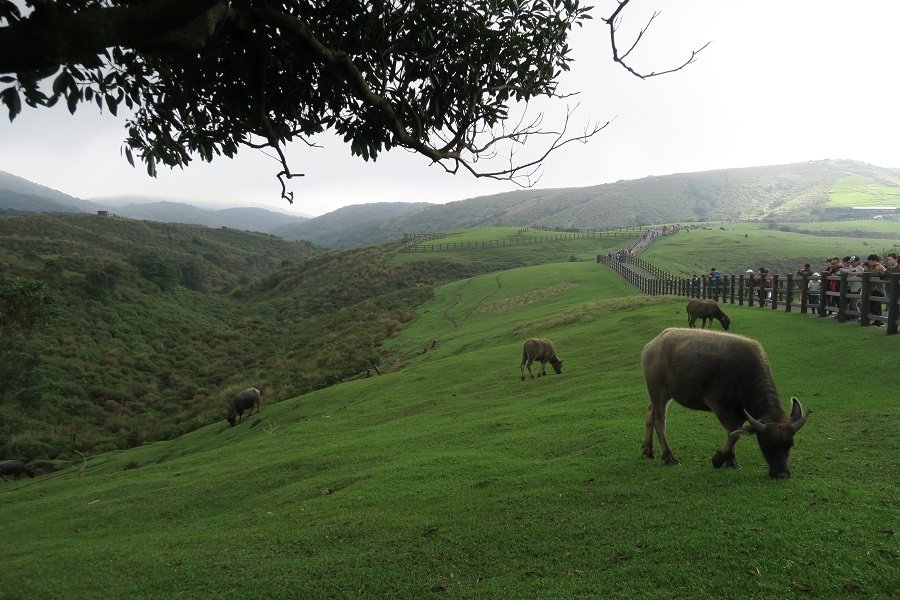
[[452, 478], [156, 325], [736, 248]]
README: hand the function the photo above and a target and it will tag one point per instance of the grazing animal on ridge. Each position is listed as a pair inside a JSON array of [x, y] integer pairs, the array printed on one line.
[[728, 375], [243, 401], [706, 309], [537, 349], [15, 468]]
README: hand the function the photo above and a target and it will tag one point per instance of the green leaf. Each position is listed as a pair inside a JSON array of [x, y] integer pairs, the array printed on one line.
[[10, 97], [112, 104]]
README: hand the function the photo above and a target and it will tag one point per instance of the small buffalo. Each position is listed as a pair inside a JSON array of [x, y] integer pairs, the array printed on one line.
[[706, 309], [536, 349], [728, 375], [243, 401], [15, 468]]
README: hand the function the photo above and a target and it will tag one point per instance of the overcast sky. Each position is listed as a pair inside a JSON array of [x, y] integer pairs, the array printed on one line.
[[782, 81]]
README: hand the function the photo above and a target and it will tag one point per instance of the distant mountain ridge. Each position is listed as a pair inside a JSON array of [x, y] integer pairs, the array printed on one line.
[[800, 191], [20, 195]]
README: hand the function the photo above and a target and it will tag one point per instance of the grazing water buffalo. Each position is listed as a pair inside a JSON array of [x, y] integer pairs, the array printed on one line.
[[728, 375], [536, 349], [15, 468], [243, 401], [706, 309]]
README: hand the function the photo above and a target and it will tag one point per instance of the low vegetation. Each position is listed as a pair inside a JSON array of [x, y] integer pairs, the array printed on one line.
[[155, 326], [452, 478]]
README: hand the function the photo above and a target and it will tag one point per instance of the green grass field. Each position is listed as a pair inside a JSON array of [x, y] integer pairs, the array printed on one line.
[[855, 190], [740, 247], [450, 477]]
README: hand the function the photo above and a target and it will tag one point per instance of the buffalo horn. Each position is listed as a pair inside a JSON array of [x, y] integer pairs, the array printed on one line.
[[798, 419], [760, 427]]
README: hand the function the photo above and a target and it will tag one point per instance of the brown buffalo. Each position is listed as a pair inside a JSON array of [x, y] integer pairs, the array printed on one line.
[[728, 375], [536, 349], [706, 309]]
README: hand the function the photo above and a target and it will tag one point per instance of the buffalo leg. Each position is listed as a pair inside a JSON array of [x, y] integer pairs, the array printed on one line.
[[528, 366], [543, 368], [731, 421], [660, 406], [647, 446]]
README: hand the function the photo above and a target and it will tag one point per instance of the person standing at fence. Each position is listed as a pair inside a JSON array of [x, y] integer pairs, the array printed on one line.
[[893, 267], [815, 287], [833, 269], [854, 270], [873, 265], [715, 280]]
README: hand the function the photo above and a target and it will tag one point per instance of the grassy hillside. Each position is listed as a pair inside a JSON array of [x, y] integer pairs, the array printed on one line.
[[795, 192], [157, 325], [452, 478], [740, 247]]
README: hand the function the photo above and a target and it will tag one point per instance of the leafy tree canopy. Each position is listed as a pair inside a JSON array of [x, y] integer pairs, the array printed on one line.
[[204, 77]]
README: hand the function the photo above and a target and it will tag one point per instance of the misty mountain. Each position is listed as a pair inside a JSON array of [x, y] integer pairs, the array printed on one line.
[[802, 191], [356, 225], [248, 218], [18, 194], [799, 191]]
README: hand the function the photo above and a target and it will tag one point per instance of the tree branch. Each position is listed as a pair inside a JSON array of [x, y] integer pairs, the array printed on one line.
[[612, 24]]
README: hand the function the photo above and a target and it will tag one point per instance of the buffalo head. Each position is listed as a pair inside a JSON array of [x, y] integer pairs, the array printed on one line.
[[726, 323], [557, 366], [776, 439]]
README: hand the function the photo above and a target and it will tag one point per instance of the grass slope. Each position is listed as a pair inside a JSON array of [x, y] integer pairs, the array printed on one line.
[[740, 247], [452, 478]]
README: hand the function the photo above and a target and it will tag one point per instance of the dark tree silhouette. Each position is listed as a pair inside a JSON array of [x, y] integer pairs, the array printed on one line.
[[205, 77]]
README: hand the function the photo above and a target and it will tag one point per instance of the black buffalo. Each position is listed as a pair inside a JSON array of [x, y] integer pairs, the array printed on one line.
[[244, 401]]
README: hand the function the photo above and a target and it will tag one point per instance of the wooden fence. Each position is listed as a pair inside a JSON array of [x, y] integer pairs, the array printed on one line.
[[518, 240], [787, 293]]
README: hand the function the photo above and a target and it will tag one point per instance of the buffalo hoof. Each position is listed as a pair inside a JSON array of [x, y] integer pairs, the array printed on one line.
[[523, 378], [670, 460], [720, 458], [647, 452]]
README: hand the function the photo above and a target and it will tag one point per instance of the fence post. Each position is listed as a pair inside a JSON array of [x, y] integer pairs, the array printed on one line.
[[774, 292], [823, 285], [893, 288], [789, 293], [731, 285], [842, 299], [804, 294], [864, 292], [740, 290]]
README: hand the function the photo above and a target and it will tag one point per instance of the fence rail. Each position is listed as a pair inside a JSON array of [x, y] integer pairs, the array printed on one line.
[[516, 240], [855, 299]]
